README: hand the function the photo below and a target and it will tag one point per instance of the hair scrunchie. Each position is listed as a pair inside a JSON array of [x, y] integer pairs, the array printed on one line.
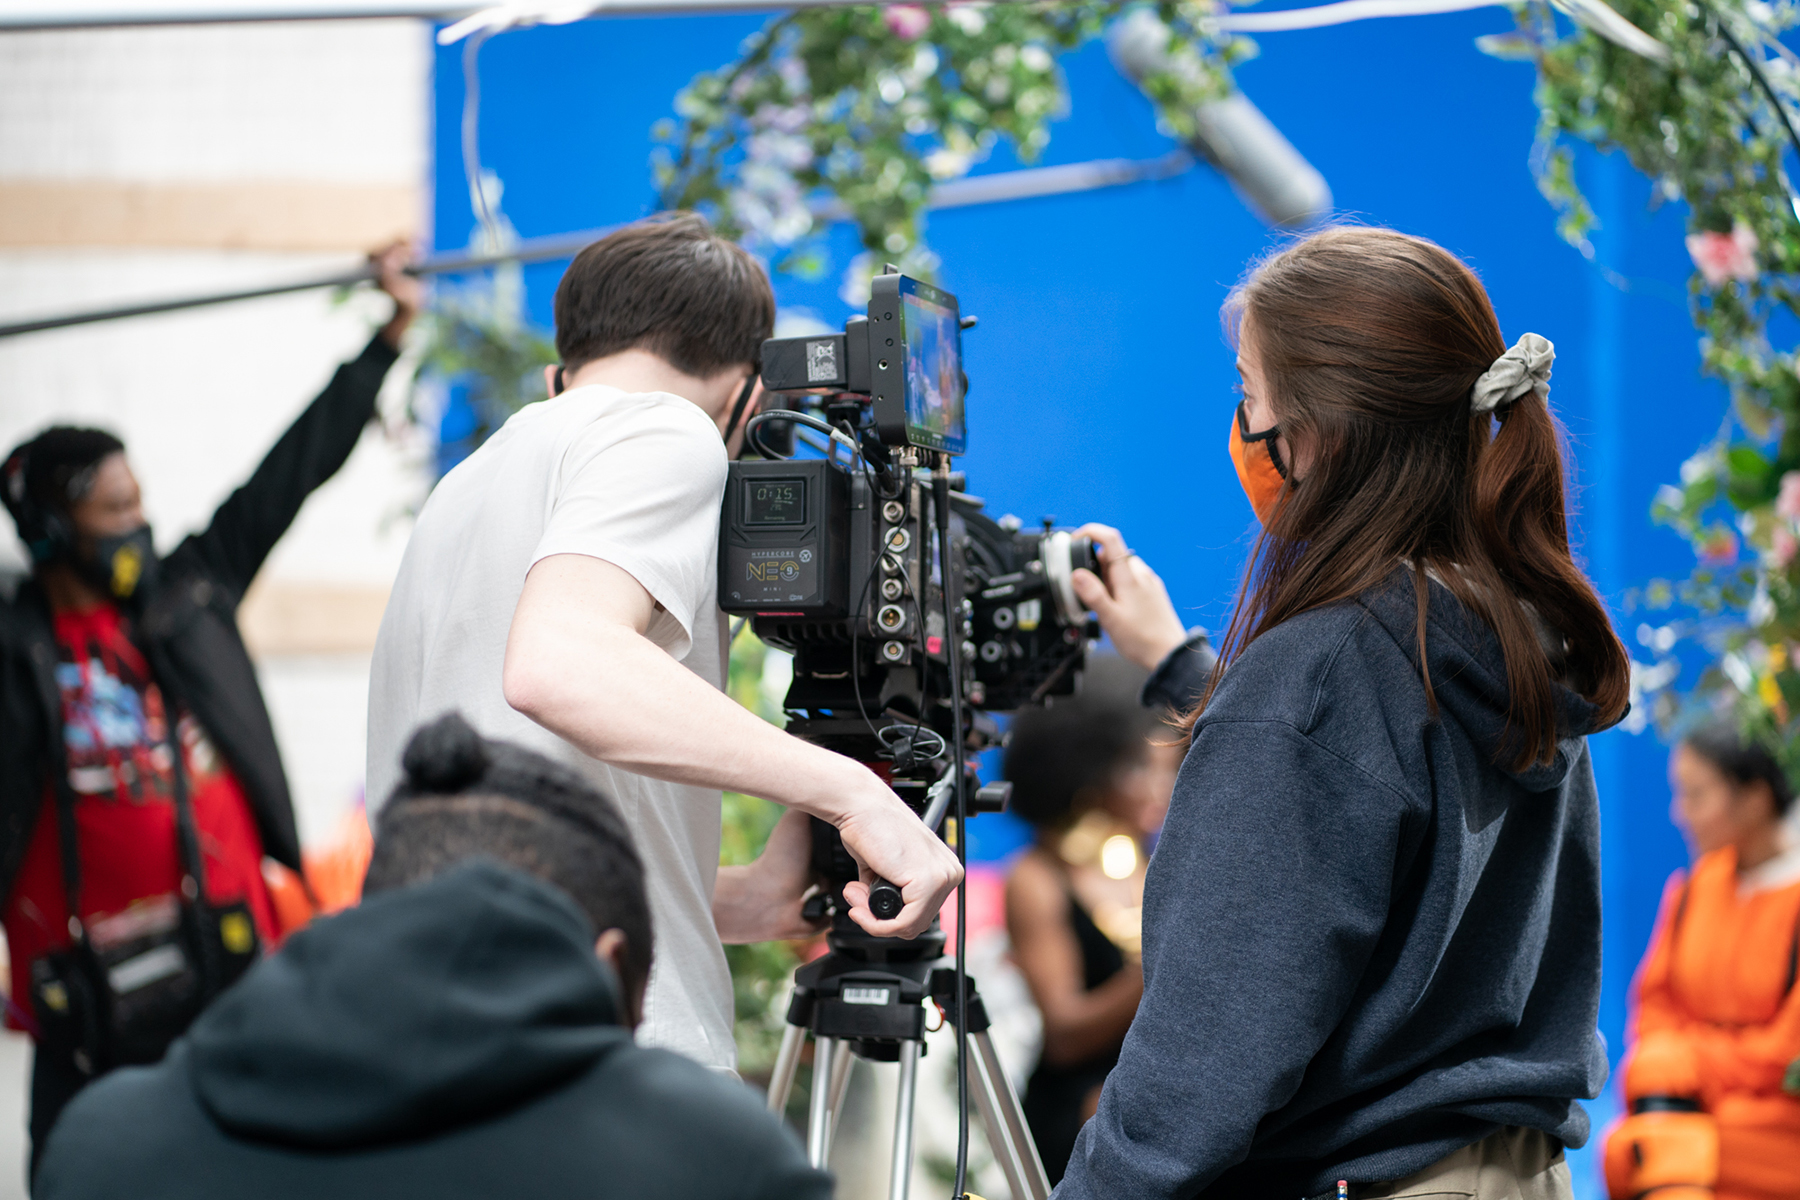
[[1523, 368]]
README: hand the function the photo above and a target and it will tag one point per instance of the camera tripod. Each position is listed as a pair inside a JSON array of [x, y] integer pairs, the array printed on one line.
[[866, 997]]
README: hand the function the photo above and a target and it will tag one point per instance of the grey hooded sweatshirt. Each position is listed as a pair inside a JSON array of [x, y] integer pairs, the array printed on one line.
[[1366, 945]]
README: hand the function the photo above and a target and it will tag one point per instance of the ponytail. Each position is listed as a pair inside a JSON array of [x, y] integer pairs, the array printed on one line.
[[1517, 508]]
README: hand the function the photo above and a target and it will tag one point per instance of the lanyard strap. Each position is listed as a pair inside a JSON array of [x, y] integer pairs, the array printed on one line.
[[187, 834]]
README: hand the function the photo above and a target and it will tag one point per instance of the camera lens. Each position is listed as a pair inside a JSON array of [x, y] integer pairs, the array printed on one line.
[[891, 589], [1082, 555], [891, 618], [1059, 554]]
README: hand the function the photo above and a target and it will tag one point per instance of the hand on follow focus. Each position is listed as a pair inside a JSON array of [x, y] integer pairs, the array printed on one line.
[[762, 902], [1132, 603], [888, 839]]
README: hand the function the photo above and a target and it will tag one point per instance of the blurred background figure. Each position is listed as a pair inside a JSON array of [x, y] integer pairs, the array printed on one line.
[[141, 786], [1712, 1080], [1092, 780]]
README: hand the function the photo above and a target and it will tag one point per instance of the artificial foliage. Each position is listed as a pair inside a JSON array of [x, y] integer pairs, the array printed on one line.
[[858, 113], [1710, 127], [475, 337]]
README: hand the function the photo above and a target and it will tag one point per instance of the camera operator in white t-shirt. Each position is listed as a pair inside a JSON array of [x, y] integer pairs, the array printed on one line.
[[560, 590]]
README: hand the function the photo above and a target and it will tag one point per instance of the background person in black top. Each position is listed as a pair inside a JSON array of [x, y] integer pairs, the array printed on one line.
[[1088, 777]]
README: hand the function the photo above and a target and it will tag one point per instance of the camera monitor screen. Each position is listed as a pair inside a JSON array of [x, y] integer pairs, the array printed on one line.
[[934, 374]]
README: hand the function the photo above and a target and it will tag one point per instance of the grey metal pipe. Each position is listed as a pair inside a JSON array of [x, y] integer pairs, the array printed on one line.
[[1232, 134], [562, 245], [960, 193], [93, 14]]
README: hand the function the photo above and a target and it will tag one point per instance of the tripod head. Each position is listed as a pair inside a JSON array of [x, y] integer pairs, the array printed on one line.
[[923, 780]]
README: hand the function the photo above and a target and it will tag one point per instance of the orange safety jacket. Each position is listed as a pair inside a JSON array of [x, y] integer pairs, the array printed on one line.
[[1712, 1085]]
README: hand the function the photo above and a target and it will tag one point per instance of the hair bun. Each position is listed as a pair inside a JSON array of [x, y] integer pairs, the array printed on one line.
[[445, 756]]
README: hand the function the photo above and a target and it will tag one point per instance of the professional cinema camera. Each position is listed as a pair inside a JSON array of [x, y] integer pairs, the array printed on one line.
[[912, 616]]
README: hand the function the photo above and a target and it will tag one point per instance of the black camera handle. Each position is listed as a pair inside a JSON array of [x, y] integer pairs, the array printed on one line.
[[885, 900]]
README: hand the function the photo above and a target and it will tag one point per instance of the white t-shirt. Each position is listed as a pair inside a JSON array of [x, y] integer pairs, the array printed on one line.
[[636, 480]]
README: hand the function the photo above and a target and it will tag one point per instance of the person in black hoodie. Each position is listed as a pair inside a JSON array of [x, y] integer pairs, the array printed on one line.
[[465, 1032], [111, 656], [1372, 922]]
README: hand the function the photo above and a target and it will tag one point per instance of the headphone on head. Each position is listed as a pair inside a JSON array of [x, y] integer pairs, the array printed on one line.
[[45, 532]]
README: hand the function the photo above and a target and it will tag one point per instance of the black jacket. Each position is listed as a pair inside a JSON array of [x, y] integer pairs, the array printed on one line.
[[456, 1038], [187, 627], [1366, 944]]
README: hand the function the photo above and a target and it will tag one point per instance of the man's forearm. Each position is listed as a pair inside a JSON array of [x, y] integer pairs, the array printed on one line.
[[648, 714], [578, 663]]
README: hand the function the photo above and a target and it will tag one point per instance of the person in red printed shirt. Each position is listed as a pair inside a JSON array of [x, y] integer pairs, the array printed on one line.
[[111, 657]]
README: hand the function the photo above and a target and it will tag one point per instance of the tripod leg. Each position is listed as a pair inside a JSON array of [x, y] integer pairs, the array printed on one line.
[[839, 1078], [840, 1084], [787, 1060], [1007, 1134], [818, 1116], [901, 1180]]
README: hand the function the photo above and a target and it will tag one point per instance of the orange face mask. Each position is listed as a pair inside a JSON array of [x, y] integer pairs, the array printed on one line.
[[1259, 466]]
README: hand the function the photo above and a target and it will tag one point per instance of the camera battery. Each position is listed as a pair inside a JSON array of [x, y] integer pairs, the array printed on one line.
[[783, 539]]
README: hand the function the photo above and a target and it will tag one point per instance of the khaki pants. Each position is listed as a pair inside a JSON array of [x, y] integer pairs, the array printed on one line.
[[1512, 1164]]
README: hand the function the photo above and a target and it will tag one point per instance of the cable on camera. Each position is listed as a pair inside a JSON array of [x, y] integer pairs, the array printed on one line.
[[752, 432], [940, 488]]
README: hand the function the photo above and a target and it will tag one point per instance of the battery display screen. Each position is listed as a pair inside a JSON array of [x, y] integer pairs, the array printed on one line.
[[774, 501]]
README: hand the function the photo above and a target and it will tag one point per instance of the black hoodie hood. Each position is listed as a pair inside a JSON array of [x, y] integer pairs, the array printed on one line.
[[1468, 676], [426, 1007]]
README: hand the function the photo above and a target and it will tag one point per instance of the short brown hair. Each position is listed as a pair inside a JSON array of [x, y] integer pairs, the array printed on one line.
[[669, 285]]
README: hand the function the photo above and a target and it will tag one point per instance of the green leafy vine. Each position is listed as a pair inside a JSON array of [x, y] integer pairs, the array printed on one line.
[[857, 113], [1709, 128]]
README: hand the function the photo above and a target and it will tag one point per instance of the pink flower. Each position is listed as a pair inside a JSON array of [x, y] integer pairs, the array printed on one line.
[[1787, 504], [1723, 256], [1782, 548], [1719, 549], [908, 22]]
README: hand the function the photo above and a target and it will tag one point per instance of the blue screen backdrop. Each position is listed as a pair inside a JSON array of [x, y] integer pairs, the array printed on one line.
[[1100, 381]]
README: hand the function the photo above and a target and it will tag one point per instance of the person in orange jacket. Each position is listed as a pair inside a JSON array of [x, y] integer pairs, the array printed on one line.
[[1712, 1079]]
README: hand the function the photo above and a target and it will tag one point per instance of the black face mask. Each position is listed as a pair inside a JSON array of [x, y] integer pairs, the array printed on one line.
[[119, 564]]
